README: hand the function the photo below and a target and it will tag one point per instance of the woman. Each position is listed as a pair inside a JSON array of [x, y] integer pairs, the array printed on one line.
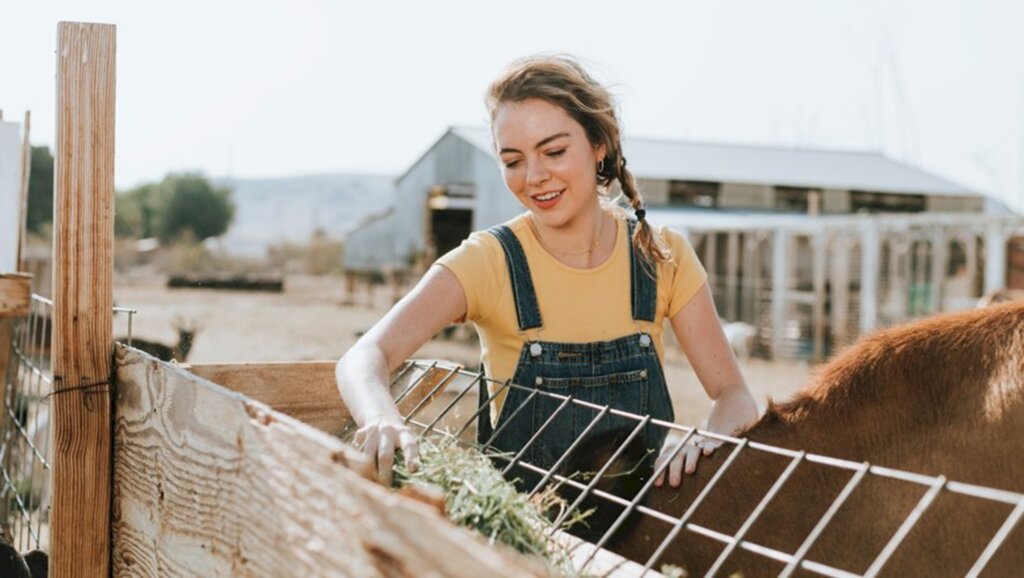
[[569, 297]]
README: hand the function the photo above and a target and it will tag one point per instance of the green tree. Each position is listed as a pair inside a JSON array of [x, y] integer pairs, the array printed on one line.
[[189, 203], [136, 212], [40, 190]]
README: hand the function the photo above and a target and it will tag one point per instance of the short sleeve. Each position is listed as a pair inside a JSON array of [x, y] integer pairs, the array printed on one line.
[[479, 265], [688, 275]]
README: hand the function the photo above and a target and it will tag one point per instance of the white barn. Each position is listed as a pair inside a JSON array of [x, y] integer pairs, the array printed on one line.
[[810, 246]]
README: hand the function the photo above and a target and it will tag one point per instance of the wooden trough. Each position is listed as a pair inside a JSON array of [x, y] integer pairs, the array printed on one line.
[[209, 482], [246, 479]]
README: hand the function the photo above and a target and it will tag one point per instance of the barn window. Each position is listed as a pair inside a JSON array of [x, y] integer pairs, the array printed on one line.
[[871, 202], [792, 199], [693, 193]]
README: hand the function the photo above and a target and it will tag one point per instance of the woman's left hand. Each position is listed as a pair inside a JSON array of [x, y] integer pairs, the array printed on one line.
[[731, 414]]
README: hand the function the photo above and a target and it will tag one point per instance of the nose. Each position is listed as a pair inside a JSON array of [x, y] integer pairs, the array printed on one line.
[[536, 173]]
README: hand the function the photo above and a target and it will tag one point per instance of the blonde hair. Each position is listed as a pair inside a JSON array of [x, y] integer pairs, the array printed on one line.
[[561, 80]]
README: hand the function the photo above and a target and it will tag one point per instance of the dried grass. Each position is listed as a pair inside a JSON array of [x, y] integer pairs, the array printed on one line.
[[478, 497]]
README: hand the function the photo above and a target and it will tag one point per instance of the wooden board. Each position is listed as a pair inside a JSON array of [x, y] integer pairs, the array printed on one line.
[[83, 297], [15, 294], [308, 391], [304, 390], [210, 483], [600, 562]]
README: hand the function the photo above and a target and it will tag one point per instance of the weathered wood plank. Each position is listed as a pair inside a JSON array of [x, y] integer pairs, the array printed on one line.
[[308, 391], [594, 561], [15, 294], [83, 297], [210, 483], [305, 390]]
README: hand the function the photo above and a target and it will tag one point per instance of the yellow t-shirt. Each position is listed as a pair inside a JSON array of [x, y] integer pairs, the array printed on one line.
[[576, 305]]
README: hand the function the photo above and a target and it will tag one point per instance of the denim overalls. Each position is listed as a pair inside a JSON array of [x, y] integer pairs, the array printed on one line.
[[623, 373]]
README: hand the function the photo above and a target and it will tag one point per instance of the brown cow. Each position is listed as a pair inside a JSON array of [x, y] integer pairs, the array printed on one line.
[[943, 395]]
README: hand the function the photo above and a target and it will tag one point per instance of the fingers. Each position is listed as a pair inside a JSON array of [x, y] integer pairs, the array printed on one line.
[[380, 440], [710, 446], [680, 459], [675, 469], [360, 438], [410, 449], [670, 451], [664, 455], [385, 456], [699, 446], [684, 460], [368, 441], [692, 455]]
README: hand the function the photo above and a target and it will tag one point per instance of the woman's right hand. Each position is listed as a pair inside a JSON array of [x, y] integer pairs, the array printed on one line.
[[380, 437], [363, 371]]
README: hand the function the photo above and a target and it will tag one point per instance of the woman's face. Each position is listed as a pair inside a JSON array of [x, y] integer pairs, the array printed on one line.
[[547, 161]]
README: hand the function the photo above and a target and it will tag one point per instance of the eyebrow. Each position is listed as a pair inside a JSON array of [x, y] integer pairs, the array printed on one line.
[[543, 142]]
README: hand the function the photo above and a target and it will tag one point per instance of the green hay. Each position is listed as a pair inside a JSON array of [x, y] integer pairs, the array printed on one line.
[[478, 497]]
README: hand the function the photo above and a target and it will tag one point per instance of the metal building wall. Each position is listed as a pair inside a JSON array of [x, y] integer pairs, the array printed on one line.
[[371, 247]]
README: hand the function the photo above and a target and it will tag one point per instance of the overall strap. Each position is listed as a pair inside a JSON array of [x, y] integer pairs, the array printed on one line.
[[483, 418], [527, 311], [644, 282]]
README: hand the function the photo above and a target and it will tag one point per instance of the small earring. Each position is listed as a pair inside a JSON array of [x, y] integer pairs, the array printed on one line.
[[600, 166]]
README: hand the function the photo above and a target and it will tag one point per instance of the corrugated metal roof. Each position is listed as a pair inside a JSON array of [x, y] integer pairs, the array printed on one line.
[[831, 169]]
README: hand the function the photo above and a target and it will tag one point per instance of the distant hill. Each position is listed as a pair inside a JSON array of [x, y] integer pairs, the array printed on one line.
[[271, 211]]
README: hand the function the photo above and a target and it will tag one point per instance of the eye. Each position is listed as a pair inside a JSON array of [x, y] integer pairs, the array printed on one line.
[[511, 164], [556, 154]]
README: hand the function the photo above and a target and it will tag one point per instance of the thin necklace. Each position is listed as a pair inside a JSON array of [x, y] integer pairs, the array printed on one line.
[[593, 247]]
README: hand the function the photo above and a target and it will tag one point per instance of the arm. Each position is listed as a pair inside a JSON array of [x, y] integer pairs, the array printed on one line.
[[362, 373], [733, 408]]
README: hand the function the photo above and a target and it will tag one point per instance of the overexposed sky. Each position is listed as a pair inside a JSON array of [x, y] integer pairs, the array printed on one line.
[[280, 88]]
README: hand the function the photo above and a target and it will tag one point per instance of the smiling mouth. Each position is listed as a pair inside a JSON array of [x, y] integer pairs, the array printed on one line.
[[547, 196]]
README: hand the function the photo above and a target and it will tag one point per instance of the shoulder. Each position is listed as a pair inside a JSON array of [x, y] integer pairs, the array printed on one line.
[[678, 245], [671, 237], [484, 246], [474, 251], [479, 265], [520, 226]]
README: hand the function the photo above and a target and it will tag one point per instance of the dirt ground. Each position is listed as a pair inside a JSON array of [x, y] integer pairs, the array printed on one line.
[[314, 319]]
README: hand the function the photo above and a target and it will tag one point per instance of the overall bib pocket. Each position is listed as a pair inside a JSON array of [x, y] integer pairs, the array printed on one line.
[[625, 391]]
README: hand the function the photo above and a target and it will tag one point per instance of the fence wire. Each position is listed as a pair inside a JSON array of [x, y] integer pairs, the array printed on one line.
[[25, 430], [26, 426], [448, 407]]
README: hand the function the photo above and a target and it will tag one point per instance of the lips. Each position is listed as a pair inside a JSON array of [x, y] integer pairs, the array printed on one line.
[[547, 199]]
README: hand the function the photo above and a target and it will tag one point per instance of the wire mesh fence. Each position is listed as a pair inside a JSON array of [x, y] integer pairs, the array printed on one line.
[[25, 427], [24, 435], [898, 511]]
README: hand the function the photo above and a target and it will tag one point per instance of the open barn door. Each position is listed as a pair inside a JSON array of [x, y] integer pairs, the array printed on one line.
[[449, 217]]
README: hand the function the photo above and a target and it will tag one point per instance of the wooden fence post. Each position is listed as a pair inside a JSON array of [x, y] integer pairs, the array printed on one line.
[[83, 299]]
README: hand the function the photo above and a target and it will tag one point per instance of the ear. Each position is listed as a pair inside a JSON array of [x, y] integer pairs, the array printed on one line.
[[600, 152]]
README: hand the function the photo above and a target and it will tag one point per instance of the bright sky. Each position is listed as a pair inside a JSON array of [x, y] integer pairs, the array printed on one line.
[[280, 88]]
